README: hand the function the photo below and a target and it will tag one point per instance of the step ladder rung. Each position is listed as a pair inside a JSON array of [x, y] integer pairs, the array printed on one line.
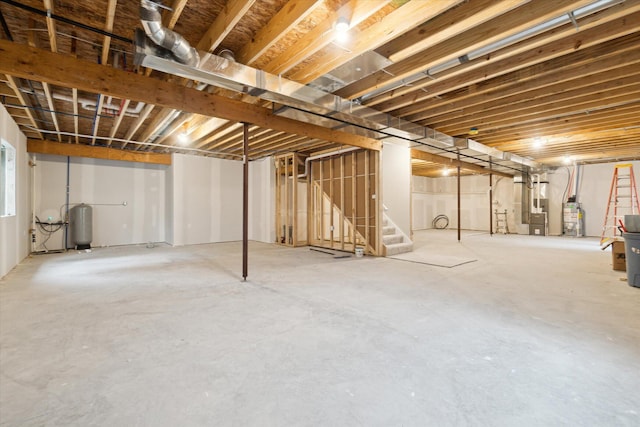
[[620, 204]]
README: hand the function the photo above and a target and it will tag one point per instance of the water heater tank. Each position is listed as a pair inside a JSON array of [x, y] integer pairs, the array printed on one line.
[[81, 223]]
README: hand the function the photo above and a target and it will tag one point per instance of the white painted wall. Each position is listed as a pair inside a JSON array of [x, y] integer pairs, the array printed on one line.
[[434, 196], [14, 230], [593, 194], [207, 200], [395, 162], [438, 196], [99, 183], [262, 201]]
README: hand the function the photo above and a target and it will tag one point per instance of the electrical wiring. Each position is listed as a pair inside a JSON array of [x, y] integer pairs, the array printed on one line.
[[48, 229], [440, 222]]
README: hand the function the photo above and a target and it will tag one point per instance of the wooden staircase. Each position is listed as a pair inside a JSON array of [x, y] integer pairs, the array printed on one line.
[[394, 241]]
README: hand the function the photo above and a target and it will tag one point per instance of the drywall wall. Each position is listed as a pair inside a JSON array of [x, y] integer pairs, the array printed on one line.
[[262, 200], [438, 196], [593, 194], [14, 230], [105, 185], [395, 161], [207, 200]]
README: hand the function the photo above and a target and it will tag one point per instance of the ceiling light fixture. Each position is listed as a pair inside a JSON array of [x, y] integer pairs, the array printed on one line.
[[567, 159], [538, 142], [342, 24], [341, 29], [445, 172], [183, 136]]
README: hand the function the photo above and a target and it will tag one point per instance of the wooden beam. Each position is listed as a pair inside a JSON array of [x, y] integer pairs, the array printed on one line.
[[94, 152], [500, 27], [600, 70], [613, 118], [557, 111], [226, 20], [96, 120], [434, 158], [36, 64], [52, 108], [136, 125], [549, 46], [170, 18], [471, 13], [118, 121], [391, 26], [321, 35], [51, 26], [288, 17], [13, 84], [108, 26], [551, 103]]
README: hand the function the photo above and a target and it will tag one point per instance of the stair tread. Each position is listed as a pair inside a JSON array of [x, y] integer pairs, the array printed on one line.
[[397, 245]]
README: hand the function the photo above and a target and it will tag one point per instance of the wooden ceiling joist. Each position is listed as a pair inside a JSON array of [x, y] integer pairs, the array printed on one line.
[[503, 26], [391, 26], [13, 84], [170, 18], [233, 11], [517, 59], [322, 35], [561, 103], [560, 82], [446, 161], [62, 70], [107, 153], [286, 19]]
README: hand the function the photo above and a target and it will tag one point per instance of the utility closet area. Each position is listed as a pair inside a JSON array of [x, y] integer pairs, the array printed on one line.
[[319, 212]]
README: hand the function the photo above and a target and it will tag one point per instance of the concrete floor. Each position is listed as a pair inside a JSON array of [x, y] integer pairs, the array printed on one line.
[[534, 331]]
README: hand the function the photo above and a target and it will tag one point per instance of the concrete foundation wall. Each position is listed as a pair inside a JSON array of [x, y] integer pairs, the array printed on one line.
[[14, 230]]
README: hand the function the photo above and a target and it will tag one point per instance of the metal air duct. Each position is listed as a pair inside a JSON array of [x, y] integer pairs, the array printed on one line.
[[301, 102], [164, 37]]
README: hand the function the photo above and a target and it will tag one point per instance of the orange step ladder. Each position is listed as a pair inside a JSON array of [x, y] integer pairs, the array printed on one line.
[[623, 200]]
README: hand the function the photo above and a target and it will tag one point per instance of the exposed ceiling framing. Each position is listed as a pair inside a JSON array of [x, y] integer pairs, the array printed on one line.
[[547, 80]]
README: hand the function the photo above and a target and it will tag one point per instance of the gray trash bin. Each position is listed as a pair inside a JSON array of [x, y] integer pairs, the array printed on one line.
[[632, 254]]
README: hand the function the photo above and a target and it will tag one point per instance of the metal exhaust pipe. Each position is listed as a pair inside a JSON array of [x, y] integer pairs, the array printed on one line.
[[164, 37]]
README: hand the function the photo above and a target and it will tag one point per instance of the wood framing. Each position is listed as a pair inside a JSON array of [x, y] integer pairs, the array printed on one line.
[[428, 157], [32, 63], [107, 153], [282, 22], [343, 204], [390, 27], [318, 38], [289, 200], [224, 23]]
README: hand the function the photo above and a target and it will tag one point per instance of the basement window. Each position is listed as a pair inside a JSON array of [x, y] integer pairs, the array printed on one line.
[[7, 179]]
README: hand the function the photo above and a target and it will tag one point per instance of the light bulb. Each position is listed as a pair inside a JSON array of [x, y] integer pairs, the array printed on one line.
[[342, 25], [183, 138], [538, 142]]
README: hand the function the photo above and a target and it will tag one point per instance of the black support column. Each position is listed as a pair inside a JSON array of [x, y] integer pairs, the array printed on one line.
[[245, 203]]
